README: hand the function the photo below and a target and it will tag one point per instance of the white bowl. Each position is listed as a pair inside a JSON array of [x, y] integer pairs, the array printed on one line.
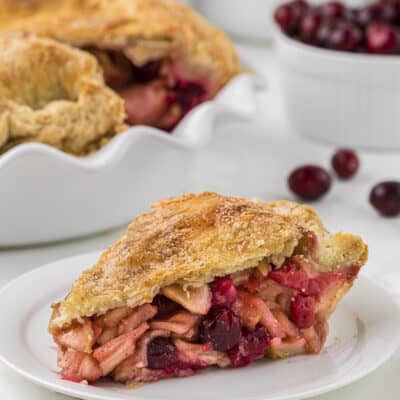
[[47, 195], [342, 98], [248, 19]]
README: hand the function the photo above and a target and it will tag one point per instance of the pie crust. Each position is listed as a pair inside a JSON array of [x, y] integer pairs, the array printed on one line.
[[55, 94], [196, 59], [275, 257]]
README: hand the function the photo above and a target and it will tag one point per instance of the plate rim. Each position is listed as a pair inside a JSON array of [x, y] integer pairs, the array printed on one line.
[[78, 392]]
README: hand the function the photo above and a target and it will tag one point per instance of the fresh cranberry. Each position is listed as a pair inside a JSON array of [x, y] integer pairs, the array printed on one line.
[[345, 163], [382, 38], [324, 32], [344, 36], [388, 12], [310, 26], [223, 292], [288, 16], [147, 72], [332, 9], [301, 6], [367, 14], [161, 353], [350, 15], [290, 276], [253, 344], [221, 328], [385, 197], [302, 311], [309, 182]]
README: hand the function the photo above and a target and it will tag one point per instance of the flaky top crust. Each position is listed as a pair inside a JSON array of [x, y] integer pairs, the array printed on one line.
[[192, 239], [148, 29], [55, 94]]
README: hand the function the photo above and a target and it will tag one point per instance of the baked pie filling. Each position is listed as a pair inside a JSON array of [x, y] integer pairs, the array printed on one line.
[[155, 93], [262, 311]]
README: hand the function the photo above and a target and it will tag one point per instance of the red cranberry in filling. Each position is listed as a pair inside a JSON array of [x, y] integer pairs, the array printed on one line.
[[147, 72], [221, 328], [345, 163], [302, 311], [385, 197], [165, 306], [316, 287], [223, 292], [290, 276], [382, 38], [253, 344], [161, 353], [309, 182], [188, 94]]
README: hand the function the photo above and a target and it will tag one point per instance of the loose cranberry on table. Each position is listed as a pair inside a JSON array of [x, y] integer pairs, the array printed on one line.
[[309, 182], [345, 163], [385, 197]]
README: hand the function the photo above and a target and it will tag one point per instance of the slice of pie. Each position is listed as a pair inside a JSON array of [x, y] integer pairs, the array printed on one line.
[[160, 56], [204, 280]]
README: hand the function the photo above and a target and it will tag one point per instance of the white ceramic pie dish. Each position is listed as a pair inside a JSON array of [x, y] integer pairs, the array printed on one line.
[[47, 195], [341, 98]]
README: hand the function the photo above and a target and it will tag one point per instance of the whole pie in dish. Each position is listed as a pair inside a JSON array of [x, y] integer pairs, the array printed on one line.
[[55, 94], [205, 280], [161, 57]]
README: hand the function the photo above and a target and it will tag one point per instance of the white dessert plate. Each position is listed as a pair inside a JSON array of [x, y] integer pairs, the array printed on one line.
[[364, 332]]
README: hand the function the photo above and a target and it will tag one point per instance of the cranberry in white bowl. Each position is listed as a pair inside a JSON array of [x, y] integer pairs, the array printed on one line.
[[339, 72]]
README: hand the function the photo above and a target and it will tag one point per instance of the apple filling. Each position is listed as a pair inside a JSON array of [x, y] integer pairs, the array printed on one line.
[[263, 311], [155, 93]]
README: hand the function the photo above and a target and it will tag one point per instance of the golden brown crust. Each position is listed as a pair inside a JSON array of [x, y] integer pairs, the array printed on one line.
[[146, 29], [190, 240], [55, 94], [334, 251]]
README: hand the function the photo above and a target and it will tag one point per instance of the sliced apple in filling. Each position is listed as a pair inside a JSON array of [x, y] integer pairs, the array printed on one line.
[[275, 306], [159, 92], [216, 324]]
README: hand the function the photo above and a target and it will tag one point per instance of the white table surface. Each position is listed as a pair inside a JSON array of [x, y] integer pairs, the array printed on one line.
[[253, 159]]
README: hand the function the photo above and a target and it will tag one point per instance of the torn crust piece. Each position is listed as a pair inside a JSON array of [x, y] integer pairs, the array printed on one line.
[[160, 56], [54, 94], [205, 280]]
